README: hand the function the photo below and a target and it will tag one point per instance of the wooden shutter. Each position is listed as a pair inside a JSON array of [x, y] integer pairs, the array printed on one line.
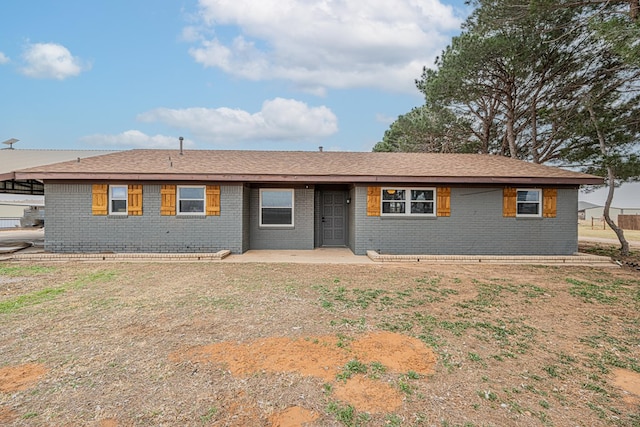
[[443, 201], [213, 200], [168, 200], [549, 202], [373, 201], [509, 202], [134, 194], [100, 199]]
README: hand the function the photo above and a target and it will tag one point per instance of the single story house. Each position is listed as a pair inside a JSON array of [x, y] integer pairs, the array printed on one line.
[[394, 203]]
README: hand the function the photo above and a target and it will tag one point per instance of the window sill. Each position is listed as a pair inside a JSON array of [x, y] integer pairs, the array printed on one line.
[[408, 217]]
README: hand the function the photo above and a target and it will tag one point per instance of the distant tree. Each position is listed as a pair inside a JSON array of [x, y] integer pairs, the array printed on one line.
[[515, 83], [600, 114], [426, 129], [460, 85], [608, 135]]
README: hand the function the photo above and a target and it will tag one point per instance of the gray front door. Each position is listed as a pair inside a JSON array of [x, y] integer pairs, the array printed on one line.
[[334, 218]]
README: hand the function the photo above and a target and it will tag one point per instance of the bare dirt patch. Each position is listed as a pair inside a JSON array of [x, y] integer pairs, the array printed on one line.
[[321, 357], [369, 395], [629, 381], [293, 417], [7, 415], [325, 357], [215, 344], [20, 377]]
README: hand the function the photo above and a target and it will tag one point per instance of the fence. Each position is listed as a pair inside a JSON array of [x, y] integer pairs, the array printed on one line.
[[629, 222]]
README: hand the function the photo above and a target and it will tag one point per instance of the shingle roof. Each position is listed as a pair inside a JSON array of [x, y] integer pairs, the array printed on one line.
[[305, 166], [15, 159]]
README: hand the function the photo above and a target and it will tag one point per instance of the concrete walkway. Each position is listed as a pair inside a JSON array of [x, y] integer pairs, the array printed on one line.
[[316, 256], [28, 245]]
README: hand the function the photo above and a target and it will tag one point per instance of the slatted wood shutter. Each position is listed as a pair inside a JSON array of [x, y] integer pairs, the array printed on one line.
[[549, 202], [373, 201], [100, 199], [213, 200], [509, 196], [134, 195], [168, 200], [443, 201]]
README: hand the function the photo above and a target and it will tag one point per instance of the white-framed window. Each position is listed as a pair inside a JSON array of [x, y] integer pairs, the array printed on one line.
[[276, 207], [191, 200], [118, 200], [409, 201], [529, 202]]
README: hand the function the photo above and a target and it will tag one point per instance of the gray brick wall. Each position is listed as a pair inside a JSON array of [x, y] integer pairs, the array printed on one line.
[[351, 211], [301, 236], [476, 227], [246, 218], [71, 227]]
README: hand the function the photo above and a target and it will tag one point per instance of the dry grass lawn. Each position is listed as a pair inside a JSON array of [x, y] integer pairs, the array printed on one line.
[[215, 344], [601, 230]]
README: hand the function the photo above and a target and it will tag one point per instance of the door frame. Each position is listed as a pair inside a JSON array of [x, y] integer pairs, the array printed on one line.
[[319, 237]]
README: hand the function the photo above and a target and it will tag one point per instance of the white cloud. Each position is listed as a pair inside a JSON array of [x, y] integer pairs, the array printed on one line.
[[279, 119], [325, 43], [387, 120], [51, 61], [135, 139], [3, 58]]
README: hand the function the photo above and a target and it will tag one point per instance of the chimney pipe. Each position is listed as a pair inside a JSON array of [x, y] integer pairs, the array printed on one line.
[[181, 139], [320, 148]]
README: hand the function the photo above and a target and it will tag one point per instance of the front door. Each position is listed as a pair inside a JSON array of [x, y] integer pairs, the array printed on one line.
[[334, 218]]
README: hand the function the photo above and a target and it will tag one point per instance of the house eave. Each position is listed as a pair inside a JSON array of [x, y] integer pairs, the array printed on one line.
[[275, 178]]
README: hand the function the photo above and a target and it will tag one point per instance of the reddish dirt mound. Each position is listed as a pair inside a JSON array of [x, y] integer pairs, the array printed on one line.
[[324, 357], [368, 395], [7, 415], [293, 417], [14, 378], [629, 381], [397, 352], [315, 357], [320, 357]]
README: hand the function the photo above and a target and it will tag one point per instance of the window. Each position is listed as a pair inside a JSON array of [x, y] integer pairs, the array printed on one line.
[[529, 203], [408, 201], [191, 200], [276, 207], [118, 200]]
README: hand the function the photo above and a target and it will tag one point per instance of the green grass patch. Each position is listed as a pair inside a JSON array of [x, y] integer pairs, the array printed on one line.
[[346, 414], [25, 270], [206, 418], [351, 368], [591, 292], [47, 294], [32, 298]]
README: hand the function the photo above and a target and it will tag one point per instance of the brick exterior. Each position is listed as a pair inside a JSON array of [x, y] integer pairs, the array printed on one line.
[[301, 236], [476, 225], [71, 227]]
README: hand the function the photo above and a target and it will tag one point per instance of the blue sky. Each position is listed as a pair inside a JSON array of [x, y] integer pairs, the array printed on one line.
[[224, 74]]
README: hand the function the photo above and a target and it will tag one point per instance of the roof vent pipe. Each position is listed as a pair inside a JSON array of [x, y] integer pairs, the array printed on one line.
[[181, 139], [320, 148]]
